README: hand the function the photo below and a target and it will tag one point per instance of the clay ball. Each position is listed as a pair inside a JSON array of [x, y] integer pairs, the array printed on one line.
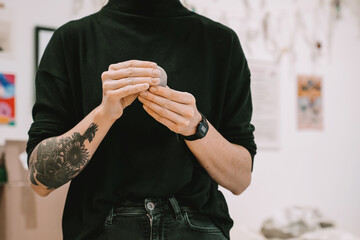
[[163, 77]]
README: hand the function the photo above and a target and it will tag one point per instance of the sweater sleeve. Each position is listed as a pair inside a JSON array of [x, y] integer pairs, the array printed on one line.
[[52, 112], [235, 125]]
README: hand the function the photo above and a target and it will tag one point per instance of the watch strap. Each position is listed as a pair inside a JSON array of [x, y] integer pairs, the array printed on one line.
[[201, 130]]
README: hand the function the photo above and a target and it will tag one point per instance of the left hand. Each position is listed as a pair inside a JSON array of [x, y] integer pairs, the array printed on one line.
[[176, 110]]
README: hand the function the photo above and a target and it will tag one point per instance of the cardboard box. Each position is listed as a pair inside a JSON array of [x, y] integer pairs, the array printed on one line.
[[14, 168], [24, 214]]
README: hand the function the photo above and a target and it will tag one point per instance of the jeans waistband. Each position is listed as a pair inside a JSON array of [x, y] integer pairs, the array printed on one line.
[[150, 206]]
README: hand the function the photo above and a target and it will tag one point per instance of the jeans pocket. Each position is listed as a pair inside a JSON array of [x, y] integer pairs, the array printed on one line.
[[200, 223], [128, 226]]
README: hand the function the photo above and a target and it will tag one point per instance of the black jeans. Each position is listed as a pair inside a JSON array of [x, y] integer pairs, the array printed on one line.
[[158, 219]]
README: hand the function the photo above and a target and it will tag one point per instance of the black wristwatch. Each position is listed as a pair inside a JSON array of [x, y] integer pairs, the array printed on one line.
[[201, 130]]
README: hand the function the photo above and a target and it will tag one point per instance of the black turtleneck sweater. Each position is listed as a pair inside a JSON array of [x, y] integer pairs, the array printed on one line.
[[139, 157]]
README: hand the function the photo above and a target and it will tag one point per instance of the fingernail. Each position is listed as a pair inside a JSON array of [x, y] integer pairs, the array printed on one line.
[[156, 73], [153, 89], [155, 81], [153, 65], [146, 85]]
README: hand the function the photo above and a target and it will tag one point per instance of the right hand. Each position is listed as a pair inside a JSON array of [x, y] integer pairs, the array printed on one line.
[[122, 84]]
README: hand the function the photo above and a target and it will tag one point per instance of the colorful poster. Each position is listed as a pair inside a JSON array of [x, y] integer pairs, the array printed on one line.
[[7, 99], [310, 109]]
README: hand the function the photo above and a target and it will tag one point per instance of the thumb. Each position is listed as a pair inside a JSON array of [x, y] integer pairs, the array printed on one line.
[[129, 100]]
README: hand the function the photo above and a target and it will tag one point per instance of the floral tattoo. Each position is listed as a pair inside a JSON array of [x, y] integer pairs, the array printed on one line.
[[58, 160]]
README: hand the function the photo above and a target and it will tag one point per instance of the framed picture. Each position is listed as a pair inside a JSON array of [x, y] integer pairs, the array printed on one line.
[[42, 38]]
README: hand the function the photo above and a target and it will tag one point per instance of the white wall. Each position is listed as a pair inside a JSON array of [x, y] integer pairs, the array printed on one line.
[[24, 16], [318, 168], [311, 168]]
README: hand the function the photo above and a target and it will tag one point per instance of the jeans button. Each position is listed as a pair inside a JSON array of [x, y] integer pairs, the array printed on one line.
[[150, 206]]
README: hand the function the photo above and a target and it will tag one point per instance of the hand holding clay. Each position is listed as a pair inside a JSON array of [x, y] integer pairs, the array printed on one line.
[[123, 82]]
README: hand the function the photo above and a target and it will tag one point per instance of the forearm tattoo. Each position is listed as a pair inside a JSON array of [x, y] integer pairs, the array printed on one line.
[[58, 160]]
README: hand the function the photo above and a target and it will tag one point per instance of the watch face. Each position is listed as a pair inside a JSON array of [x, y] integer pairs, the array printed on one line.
[[203, 129]]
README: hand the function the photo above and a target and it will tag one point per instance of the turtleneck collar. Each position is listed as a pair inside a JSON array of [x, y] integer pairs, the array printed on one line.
[[149, 8]]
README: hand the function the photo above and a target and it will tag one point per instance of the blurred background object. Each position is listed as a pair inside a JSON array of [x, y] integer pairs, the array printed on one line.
[[3, 174], [300, 162]]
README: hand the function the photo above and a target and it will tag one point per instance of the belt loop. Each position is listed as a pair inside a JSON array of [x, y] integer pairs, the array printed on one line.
[[175, 207], [109, 218]]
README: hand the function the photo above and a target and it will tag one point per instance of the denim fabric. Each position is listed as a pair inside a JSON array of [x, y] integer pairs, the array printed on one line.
[[158, 219]]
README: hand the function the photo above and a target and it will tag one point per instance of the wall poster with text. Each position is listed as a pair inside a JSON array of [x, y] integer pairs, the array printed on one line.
[[266, 102]]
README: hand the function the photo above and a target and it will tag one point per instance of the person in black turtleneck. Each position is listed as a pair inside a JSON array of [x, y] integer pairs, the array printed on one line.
[[144, 161]]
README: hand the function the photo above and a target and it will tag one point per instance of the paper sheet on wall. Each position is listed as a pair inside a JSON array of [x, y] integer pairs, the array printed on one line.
[[265, 92], [5, 43], [6, 33]]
